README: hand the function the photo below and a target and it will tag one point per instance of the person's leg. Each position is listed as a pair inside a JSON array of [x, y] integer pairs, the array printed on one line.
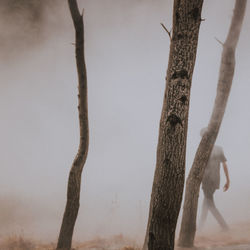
[[215, 212], [204, 211]]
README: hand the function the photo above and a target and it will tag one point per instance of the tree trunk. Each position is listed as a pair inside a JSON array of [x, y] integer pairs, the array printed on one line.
[[170, 165], [74, 181], [188, 225]]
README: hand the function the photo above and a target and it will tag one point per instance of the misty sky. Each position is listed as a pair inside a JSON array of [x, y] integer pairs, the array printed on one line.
[[126, 56]]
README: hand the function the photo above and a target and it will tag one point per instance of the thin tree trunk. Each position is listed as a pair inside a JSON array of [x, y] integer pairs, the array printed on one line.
[[74, 181], [170, 166], [188, 224]]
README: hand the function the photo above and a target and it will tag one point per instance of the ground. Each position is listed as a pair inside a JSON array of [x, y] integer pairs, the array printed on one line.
[[238, 238]]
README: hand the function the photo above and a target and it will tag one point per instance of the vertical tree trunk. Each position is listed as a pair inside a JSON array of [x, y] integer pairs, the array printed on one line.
[[170, 165], [188, 225], [74, 181]]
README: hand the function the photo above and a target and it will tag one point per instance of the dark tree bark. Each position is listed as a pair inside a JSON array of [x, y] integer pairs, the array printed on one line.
[[74, 181], [188, 225], [170, 165]]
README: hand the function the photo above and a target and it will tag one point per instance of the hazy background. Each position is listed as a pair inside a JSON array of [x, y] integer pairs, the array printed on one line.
[[126, 56]]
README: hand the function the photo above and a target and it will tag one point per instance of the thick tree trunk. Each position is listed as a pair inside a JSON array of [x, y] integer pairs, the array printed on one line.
[[74, 181], [188, 225], [170, 166]]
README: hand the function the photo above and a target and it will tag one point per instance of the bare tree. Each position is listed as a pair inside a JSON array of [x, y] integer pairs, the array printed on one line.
[[74, 181], [188, 225], [170, 166]]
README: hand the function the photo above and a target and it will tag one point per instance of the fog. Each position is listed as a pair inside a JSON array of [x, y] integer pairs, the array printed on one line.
[[126, 56]]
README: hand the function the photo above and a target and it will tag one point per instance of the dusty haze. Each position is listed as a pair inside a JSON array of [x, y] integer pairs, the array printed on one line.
[[126, 56]]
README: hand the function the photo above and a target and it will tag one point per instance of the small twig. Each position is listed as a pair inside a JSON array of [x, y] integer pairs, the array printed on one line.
[[169, 32], [202, 19], [220, 42]]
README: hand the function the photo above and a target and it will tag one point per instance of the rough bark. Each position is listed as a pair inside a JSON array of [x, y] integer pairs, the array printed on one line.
[[74, 181], [188, 224], [170, 164]]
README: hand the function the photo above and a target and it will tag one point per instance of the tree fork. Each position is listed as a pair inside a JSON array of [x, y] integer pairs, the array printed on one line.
[[170, 164], [188, 224], [74, 180]]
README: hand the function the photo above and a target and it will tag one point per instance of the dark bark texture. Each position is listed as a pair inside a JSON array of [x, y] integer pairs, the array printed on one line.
[[188, 224], [170, 164], [74, 181]]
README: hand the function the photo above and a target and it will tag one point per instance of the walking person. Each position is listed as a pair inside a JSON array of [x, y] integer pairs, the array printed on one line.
[[211, 182]]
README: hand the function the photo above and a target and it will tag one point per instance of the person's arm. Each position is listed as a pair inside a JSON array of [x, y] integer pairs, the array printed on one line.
[[226, 186]]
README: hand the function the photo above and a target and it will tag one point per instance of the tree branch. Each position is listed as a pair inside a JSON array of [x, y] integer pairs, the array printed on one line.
[[169, 32], [220, 42], [74, 11]]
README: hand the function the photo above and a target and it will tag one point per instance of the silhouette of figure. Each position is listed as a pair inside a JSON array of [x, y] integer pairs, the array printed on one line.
[[211, 182]]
